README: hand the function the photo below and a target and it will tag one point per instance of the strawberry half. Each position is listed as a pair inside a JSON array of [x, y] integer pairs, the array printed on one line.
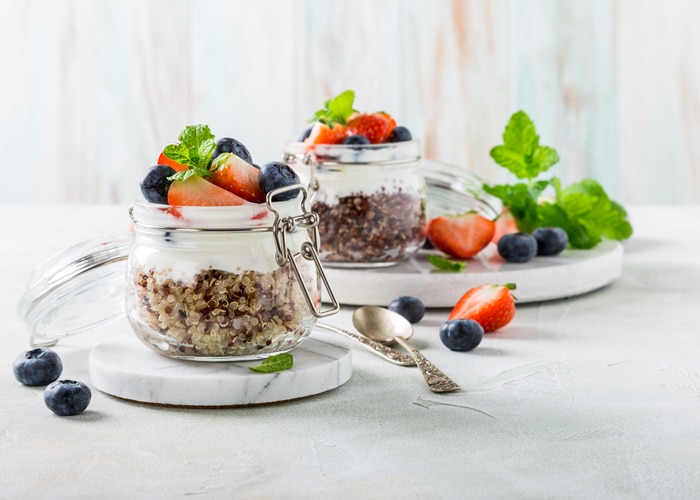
[[164, 160], [462, 236], [323, 134], [390, 119], [195, 191], [239, 177], [505, 224], [492, 306], [374, 127]]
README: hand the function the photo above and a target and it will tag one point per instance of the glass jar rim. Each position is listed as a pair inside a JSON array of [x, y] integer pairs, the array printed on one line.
[[386, 152]]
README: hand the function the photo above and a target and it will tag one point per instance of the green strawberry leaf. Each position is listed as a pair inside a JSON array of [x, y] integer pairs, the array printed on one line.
[[276, 363]]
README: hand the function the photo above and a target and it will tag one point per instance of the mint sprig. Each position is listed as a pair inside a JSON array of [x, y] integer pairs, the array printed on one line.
[[453, 266], [582, 209], [193, 151], [276, 363], [336, 110], [521, 152]]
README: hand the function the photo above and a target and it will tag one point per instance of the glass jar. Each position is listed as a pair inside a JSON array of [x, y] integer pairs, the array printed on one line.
[[371, 200], [225, 283]]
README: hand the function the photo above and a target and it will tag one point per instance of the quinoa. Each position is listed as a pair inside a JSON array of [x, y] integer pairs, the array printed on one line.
[[379, 227], [220, 314]]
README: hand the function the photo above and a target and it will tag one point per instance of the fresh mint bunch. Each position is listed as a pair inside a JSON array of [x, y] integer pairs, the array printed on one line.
[[336, 110], [276, 363], [193, 151], [582, 209]]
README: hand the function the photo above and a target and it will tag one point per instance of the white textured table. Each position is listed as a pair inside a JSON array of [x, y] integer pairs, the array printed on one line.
[[596, 396]]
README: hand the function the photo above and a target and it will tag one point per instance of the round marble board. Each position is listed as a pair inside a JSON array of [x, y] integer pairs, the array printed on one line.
[[573, 272], [125, 368]]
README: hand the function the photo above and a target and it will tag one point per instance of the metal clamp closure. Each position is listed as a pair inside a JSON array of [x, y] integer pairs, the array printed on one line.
[[308, 220]]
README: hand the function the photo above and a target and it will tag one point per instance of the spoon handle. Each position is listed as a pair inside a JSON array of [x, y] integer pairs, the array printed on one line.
[[396, 357], [436, 380]]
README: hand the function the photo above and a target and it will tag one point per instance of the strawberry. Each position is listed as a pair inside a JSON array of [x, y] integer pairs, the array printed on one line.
[[390, 119], [505, 224], [324, 134], [238, 176], [373, 127], [462, 236], [195, 191], [492, 306], [164, 160]]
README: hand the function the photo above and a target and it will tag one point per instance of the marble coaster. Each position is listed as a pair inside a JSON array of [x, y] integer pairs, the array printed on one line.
[[125, 368]]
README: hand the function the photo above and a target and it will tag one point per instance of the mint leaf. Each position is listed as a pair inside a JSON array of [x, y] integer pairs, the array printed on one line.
[[522, 201], [194, 151], [446, 264], [336, 110], [521, 152], [276, 363]]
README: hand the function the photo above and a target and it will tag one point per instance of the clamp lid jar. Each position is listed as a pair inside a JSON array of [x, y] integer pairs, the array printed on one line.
[[371, 200], [225, 283]]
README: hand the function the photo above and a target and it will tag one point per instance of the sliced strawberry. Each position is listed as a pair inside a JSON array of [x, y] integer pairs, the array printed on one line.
[[492, 306], [390, 119], [238, 176], [462, 236], [373, 127], [164, 160], [196, 191], [324, 134], [505, 224]]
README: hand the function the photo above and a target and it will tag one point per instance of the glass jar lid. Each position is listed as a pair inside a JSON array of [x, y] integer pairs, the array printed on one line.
[[78, 289]]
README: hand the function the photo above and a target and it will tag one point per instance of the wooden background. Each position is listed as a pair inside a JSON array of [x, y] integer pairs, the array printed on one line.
[[91, 90]]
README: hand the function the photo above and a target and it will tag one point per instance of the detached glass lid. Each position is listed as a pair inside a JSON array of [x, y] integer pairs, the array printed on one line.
[[76, 290]]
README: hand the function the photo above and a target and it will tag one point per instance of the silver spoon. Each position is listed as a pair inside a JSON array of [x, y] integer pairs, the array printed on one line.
[[396, 357], [387, 326]]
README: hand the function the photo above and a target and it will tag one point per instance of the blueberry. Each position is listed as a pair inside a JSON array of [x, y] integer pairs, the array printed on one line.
[[410, 308], [550, 240], [67, 397], [38, 366], [229, 145], [155, 184], [305, 134], [517, 247], [461, 334], [399, 134], [274, 175], [356, 139]]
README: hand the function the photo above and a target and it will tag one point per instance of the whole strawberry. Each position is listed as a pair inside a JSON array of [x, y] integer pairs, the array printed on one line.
[[492, 306]]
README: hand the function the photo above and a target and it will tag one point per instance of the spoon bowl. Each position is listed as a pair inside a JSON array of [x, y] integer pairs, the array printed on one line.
[[381, 325], [386, 326]]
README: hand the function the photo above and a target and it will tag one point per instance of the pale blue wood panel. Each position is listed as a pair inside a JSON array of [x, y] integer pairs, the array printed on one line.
[[565, 78], [658, 47]]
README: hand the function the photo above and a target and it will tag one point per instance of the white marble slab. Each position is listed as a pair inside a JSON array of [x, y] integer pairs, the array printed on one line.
[[125, 368], [573, 272]]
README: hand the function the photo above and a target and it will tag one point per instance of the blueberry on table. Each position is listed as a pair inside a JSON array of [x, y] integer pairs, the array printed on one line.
[[155, 184], [67, 397], [230, 145], [550, 240], [517, 247], [356, 140], [399, 134], [38, 366], [461, 334], [275, 175], [409, 307]]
